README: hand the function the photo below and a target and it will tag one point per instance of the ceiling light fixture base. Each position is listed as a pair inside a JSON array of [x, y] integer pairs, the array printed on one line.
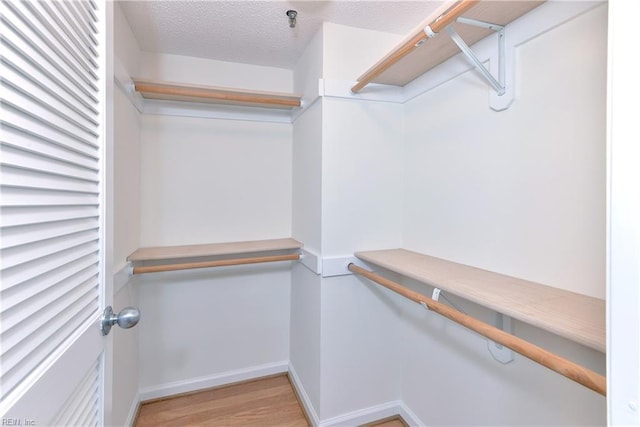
[[292, 14]]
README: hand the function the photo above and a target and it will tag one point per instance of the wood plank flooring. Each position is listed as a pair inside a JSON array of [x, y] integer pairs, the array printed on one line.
[[396, 421], [264, 402]]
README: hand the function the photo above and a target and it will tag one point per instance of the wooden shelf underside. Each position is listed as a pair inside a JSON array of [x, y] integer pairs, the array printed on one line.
[[214, 95], [440, 48], [212, 250], [577, 317]]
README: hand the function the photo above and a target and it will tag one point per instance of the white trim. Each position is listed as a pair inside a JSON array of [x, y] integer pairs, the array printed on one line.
[[122, 277], [133, 412], [311, 260], [307, 405], [623, 220], [124, 82], [358, 417], [374, 413], [216, 111], [339, 266], [363, 416], [409, 416], [306, 104], [224, 378], [374, 92]]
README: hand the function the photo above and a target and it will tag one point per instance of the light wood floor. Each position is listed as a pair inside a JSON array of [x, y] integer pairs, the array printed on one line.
[[264, 402], [390, 422]]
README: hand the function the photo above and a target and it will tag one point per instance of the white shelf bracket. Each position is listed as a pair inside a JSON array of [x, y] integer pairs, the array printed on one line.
[[502, 95], [499, 352]]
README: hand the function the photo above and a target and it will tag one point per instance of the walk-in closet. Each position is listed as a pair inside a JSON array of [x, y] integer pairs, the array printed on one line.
[[416, 212]]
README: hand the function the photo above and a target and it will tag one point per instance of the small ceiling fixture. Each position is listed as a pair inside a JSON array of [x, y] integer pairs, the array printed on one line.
[[292, 17]]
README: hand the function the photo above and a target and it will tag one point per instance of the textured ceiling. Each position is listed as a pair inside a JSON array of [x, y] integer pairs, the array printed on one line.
[[257, 32]]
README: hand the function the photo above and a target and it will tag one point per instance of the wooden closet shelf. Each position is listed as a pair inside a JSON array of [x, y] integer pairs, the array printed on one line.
[[214, 249], [214, 95], [407, 61], [577, 317]]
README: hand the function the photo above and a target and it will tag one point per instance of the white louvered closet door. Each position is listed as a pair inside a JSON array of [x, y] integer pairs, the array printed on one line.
[[52, 355]]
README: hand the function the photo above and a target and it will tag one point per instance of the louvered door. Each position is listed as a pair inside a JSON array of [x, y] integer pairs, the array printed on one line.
[[52, 356]]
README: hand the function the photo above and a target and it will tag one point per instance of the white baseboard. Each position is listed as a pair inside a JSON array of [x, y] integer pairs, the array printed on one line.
[[359, 417], [304, 397], [363, 416], [374, 413], [409, 416], [229, 377], [133, 412], [355, 418]]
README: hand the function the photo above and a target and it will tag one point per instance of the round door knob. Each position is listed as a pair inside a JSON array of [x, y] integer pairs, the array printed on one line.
[[127, 318]]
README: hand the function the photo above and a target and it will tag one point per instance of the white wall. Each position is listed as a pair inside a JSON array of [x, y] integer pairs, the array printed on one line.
[[126, 210], [361, 209], [186, 69], [126, 178], [305, 353], [350, 175], [308, 69], [623, 222], [127, 148], [521, 192], [126, 368], [348, 52], [204, 324], [305, 340], [359, 347], [210, 180], [361, 176], [450, 378], [207, 181], [307, 184]]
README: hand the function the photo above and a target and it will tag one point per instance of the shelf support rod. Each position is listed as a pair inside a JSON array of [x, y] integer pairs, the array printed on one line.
[[497, 85]]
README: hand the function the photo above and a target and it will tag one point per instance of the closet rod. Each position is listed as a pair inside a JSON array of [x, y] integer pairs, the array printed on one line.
[[217, 263], [567, 368], [192, 93], [413, 41]]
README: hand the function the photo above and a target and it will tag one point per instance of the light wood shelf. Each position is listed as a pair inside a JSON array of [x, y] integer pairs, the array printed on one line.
[[577, 317], [407, 61], [170, 91], [166, 253]]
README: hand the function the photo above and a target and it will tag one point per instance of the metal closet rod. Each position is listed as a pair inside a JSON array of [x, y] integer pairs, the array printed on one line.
[[414, 41], [564, 367], [217, 263]]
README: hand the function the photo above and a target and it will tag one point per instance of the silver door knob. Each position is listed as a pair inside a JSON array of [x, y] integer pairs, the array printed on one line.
[[127, 318]]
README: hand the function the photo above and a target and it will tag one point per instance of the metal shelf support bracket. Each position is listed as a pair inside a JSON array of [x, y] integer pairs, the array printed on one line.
[[503, 95], [497, 85], [499, 352]]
